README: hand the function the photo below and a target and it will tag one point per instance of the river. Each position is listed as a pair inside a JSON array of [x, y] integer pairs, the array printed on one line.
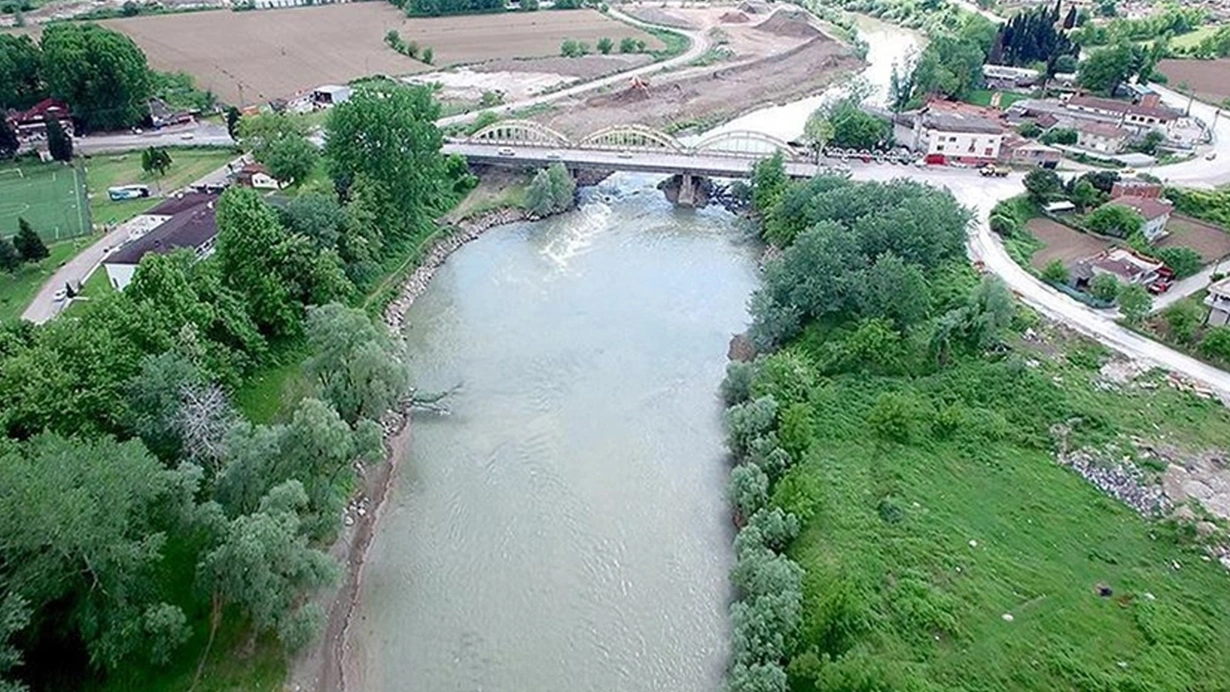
[[566, 528]]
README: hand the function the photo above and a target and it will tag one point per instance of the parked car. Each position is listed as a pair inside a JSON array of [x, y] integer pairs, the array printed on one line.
[[993, 171], [187, 135], [1159, 287], [625, 154], [506, 151]]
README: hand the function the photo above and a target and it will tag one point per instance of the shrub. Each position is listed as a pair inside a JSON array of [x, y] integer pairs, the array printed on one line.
[[1054, 272], [1183, 319], [1104, 287], [1216, 343], [748, 489], [1134, 302], [737, 387], [605, 45], [1060, 135], [1114, 220], [1184, 261], [570, 48], [747, 421], [1029, 129]]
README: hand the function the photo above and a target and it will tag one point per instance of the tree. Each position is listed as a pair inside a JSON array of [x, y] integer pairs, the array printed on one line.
[[1183, 319], [387, 134], [563, 187], [1054, 272], [10, 260], [247, 232], [748, 421], [1134, 302], [290, 159], [1104, 287], [429, 55], [605, 45], [1029, 129], [769, 181], [1106, 68], [1114, 220], [233, 118], [100, 73], [818, 132], [1183, 261], [949, 66], [884, 286], [8, 139], [21, 80], [570, 48], [82, 525], [1060, 135], [155, 160], [1148, 145], [59, 144], [852, 127], [14, 616], [262, 564], [29, 245], [748, 489], [356, 366], [1043, 185], [627, 44], [1084, 195]]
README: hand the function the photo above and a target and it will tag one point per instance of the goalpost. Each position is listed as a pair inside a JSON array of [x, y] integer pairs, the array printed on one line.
[[13, 170]]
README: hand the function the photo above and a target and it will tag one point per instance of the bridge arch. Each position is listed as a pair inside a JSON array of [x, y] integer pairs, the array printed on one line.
[[744, 143], [631, 137], [523, 132]]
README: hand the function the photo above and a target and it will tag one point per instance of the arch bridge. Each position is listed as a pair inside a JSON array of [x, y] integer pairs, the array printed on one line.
[[639, 138]]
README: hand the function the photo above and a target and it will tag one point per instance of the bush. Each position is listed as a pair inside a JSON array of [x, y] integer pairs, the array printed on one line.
[[1060, 135], [1114, 220], [1029, 129], [1183, 319], [628, 45], [605, 45], [737, 387], [1216, 344], [570, 48], [747, 421], [1184, 261], [1104, 287], [748, 489], [1134, 302], [1054, 272]]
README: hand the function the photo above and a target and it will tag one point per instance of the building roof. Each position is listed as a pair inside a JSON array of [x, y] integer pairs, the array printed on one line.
[[1101, 129], [1123, 107], [1125, 264], [1220, 288], [1147, 207], [41, 112], [192, 223], [331, 89]]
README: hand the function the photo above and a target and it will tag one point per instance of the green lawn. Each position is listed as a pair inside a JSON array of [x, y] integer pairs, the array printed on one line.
[[914, 552], [18, 289], [48, 195], [982, 97], [105, 170], [1193, 38]]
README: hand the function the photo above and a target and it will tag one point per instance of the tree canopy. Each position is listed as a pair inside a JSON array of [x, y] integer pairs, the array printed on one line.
[[101, 73]]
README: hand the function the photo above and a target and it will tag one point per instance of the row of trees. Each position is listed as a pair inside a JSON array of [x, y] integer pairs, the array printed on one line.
[[100, 73], [1036, 36], [572, 48], [25, 247], [843, 123], [137, 502], [410, 49]]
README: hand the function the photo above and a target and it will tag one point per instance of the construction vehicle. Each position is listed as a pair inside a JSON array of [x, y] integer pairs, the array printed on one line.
[[992, 171]]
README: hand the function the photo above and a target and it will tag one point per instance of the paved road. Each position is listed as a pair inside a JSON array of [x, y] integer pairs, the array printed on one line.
[[197, 134], [716, 166], [78, 269]]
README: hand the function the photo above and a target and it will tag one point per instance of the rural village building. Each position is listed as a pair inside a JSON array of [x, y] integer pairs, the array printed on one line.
[[1136, 188], [1102, 138], [1027, 152], [951, 132], [1218, 301], [31, 125], [1006, 77], [331, 95], [1123, 264], [183, 222], [255, 175], [1149, 114], [1155, 212], [161, 114]]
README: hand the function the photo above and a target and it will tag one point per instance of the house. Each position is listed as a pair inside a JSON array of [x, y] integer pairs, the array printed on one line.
[[331, 95], [31, 125], [1102, 138], [1218, 300], [255, 175], [944, 132], [1006, 77], [1136, 188], [1147, 115], [1155, 212], [1125, 265], [161, 114], [187, 223], [1029, 153]]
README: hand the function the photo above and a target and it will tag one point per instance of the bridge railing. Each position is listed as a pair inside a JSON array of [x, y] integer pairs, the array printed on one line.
[[735, 143]]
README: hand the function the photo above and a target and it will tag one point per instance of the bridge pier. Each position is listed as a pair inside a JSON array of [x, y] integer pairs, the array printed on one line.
[[687, 190]]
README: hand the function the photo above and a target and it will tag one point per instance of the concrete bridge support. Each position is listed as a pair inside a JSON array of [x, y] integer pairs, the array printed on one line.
[[687, 190]]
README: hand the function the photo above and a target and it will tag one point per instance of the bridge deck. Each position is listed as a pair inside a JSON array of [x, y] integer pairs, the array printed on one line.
[[703, 164]]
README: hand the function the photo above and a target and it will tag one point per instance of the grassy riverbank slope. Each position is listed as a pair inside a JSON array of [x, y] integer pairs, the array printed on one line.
[[942, 544]]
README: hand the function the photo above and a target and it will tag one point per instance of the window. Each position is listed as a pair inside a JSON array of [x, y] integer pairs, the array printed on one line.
[[952, 139], [939, 147], [972, 142], [987, 151]]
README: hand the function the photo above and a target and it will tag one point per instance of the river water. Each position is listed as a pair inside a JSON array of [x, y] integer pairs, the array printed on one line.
[[566, 529]]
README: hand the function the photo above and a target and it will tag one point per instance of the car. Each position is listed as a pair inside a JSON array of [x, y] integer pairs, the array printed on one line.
[[506, 151], [553, 155], [1159, 287], [625, 154], [187, 135], [1210, 156], [61, 295], [920, 163]]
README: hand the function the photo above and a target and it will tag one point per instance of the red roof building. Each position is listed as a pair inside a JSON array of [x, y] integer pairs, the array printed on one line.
[[31, 124]]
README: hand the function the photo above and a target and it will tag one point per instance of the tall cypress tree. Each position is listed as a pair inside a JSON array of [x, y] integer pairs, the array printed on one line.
[[28, 244], [58, 142]]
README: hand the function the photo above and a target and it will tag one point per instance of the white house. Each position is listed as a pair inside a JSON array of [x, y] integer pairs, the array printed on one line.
[[954, 136], [1155, 212], [1103, 138], [1218, 301], [188, 224], [1007, 77], [255, 175], [331, 94]]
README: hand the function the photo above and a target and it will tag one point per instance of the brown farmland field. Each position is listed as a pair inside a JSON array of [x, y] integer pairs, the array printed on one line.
[[1209, 79], [276, 53], [1062, 243]]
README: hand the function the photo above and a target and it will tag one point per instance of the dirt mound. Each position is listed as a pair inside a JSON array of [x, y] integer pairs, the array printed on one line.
[[754, 8], [733, 18], [654, 15], [789, 25]]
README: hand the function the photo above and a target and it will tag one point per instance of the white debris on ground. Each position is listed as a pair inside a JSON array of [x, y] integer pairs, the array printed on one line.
[[1120, 371], [464, 84], [1121, 479]]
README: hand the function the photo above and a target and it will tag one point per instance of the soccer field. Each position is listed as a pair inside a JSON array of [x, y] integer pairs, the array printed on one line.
[[51, 196]]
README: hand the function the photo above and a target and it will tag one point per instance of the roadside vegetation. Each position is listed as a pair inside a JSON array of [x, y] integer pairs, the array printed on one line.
[[110, 170], [153, 532], [903, 522]]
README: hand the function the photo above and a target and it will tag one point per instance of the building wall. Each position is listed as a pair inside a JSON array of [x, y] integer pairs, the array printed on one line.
[[120, 275], [963, 144], [1156, 227], [1092, 142]]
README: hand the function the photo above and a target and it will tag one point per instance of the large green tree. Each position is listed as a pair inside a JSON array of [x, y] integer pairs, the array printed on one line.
[[21, 79], [100, 73], [357, 366], [1106, 68], [387, 134]]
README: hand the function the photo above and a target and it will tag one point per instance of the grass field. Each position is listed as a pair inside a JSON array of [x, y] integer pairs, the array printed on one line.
[[18, 289], [982, 97], [1193, 38], [965, 555], [51, 196], [104, 171]]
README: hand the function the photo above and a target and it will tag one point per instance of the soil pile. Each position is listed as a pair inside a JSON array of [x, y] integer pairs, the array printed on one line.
[[754, 8], [734, 18], [789, 25]]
